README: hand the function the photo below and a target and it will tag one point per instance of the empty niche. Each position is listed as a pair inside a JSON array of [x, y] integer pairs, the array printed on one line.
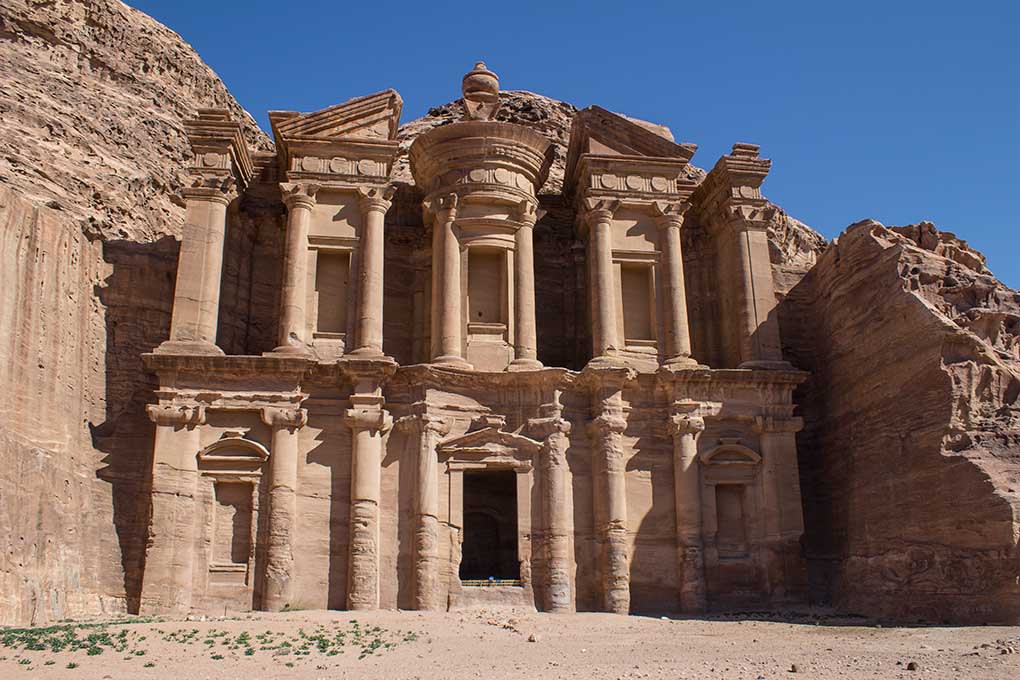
[[636, 289], [332, 274], [731, 536], [232, 523], [485, 285]]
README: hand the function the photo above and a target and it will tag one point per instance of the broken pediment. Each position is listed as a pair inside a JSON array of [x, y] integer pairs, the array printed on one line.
[[372, 117], [604, 133]]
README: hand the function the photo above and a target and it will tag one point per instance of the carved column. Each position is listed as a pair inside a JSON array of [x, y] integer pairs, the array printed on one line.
[[686, 428], [283, 463], [369, 332], [300, 200], [783, 513], [525, 332], [199, 269], [368, 422], [759, 327], [599, 217], [556, 491], [447, 320], [607, 430], [169, 559], [426, 507], [676, 350]]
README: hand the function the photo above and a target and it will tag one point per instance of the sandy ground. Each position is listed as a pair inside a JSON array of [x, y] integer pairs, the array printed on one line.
[[495, 644]]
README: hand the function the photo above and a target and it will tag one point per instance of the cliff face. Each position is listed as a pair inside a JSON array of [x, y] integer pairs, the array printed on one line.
[[92, 157], [911, 454]]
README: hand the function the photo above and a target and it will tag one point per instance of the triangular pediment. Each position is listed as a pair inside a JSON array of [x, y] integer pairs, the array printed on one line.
[[604, 133], [491, 439], [372, 117]]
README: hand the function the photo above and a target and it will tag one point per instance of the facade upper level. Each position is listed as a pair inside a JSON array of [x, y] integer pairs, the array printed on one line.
[[319, 251]]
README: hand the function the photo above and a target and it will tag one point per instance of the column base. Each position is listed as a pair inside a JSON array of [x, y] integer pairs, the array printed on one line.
[[301, 351], [452, 361], [367, 353], [762, 364], [681, 363], [189, 347], [525, 365]]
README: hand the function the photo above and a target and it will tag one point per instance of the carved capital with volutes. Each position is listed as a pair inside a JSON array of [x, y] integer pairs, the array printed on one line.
[[668, 215], [368, 418], [443, 207], [778, 424], [176, 415], [290, 418], [212, 188], [527, 213], [684, 423], [598, 211], [545, 428], [299, 194], [607, 424], [375, 199], [750, 214]]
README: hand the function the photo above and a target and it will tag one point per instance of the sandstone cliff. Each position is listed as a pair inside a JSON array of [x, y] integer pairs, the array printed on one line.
[[911, 455], [91, 162]]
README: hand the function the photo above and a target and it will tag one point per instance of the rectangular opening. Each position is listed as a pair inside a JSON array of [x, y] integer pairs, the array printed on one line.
[[332, 275], [636, 286], [232, 523], [489, 552], [731, 536], [485, 285]]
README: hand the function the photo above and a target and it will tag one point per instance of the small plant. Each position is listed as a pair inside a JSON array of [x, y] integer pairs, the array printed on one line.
[[72, 665], [24, 662], [149, 664]]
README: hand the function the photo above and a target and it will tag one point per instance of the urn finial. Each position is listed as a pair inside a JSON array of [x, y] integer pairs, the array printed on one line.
[[480, 88]]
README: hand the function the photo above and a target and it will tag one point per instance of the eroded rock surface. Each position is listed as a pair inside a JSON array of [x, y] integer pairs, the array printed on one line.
[[911, 454]]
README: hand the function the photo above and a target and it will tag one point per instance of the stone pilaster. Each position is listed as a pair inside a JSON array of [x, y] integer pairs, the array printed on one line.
[[431, 429], [686, 426], [374, 203], [368, 422], [783, 511], [169, 559], [447, 316], [525, 328], [599, 218], [283, 463], [300, 201], [556, 489], [676, 349]]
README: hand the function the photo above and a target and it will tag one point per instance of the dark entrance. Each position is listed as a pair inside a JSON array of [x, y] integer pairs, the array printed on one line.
[[490, 526]]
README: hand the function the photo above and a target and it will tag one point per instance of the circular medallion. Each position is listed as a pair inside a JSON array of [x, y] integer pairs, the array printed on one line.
[[477, 175], [210, 159], [634, 182], [660, 183], [609, 181], [522, 182], [310, 164], [366, 167], [502, 176]]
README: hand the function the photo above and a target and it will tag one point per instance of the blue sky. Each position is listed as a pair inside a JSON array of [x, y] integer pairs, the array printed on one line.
[[900, 111]]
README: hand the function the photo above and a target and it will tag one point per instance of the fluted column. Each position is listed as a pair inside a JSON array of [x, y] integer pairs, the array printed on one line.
[[447, 320], [686, 427], [369, 332], [599, 216], [676, 350], [556, 491], [368, 422], [607, 430], [199, 270], [525, 331], [283, 463], [426, 508], [300, 200], [169, 558]]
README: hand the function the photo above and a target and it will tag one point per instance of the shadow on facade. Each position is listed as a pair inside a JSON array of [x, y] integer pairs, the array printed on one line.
[[138, 297]]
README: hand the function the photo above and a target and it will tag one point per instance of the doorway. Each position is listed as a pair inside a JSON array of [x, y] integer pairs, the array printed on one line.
[[489, 550]]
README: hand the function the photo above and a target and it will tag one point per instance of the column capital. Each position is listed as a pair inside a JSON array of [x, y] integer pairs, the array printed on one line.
[[777, 424], [750, 214], [215, 189], [425, 423], [377, 199], [176, 415], [279, 417], [443, 203], [607, 424], [669, 215], [545, 428], [680, 424], [299, 194], [527, 213], [368, 418], [596, 210]]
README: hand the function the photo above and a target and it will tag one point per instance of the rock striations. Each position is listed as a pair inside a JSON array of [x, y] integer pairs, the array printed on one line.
[[911, 455]]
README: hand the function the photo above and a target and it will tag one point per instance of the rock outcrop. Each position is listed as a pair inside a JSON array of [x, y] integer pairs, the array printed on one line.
[[92, 158], [911, 455]]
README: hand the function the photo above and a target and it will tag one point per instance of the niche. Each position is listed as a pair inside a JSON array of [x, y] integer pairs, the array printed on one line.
[[486, 282], [332, 277], [637, 294], [232, 523], [731, 536]]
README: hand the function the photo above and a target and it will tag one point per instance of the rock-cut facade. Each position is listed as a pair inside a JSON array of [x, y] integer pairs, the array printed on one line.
[[464, 386]]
